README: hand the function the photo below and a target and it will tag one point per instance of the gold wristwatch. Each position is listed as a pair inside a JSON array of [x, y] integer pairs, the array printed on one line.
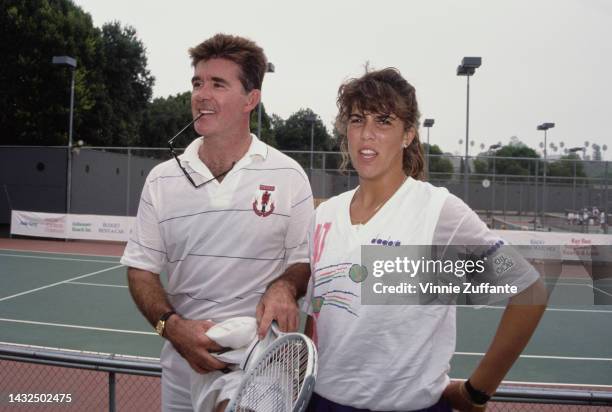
[[161, 323]]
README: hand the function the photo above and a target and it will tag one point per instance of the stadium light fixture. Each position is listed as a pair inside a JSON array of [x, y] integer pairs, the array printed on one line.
[[428, 123], [467, 68], [72, 63]]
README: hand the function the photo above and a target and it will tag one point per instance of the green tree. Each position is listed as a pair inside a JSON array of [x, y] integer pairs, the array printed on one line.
[[294, 133], [267, 131], [520, 167], [440, 168], [35, 95], [112, 84], [566, 166], [163, 118], [127, 84]]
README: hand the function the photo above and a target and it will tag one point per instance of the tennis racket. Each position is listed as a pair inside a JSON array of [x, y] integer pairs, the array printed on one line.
[[279, 377]]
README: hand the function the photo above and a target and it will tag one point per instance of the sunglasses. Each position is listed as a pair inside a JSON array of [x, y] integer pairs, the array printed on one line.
[[170, 145]]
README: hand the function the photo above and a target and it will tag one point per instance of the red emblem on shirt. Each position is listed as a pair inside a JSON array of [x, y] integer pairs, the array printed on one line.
[[263, 205]]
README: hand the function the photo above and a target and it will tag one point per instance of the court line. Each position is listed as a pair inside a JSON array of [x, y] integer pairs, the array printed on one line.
[[58, 258], [585, 284], [541, 357], [97, 284], [59, 283], [547, 309], [64, 325], [59, 253]]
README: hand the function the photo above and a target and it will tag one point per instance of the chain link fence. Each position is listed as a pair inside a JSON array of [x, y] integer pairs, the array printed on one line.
[[558, 195], [50, 379]]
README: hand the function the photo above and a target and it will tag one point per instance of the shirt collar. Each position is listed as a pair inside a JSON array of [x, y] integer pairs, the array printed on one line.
[[256, 149]]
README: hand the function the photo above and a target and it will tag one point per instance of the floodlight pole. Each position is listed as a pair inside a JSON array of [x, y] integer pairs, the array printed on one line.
[[467, 68], [428, 123], [71, 62], [544, 127]]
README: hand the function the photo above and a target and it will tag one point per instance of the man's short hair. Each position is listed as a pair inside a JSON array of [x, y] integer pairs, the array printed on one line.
[[244, 52]]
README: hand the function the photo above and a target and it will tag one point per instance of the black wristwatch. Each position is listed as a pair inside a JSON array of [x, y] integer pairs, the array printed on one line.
[[477, 397]]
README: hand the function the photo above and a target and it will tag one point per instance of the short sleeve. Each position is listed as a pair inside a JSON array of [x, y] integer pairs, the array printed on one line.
[[302, 208], [145, 249], [460, 226]]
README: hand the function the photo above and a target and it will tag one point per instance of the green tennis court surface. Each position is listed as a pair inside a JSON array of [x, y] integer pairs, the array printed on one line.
[[82, 302]]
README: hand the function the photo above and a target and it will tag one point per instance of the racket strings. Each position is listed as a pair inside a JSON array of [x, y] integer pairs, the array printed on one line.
[[277, 380]]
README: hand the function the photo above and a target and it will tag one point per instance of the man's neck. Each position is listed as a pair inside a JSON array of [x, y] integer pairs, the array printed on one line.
[[218, 153]]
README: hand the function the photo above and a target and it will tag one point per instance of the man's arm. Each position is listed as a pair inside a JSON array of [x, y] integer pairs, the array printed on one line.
[[187, 336], [280, 300]]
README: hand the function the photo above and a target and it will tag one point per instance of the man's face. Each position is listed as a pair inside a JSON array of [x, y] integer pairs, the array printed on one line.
[[218, 93]]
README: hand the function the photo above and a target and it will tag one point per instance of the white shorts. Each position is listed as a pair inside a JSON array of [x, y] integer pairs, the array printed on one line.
[[210, 389], [184, 390]]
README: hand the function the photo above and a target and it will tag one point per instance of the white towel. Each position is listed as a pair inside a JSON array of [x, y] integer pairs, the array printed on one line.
[[235, 332]]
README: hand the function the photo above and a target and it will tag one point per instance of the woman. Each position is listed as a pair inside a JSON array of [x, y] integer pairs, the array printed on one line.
[[396, 358]]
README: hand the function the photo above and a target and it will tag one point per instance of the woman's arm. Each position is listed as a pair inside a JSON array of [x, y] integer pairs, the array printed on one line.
[[516, 327]]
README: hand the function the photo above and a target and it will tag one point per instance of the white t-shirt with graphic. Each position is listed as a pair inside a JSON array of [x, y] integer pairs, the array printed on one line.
[[384, 357]]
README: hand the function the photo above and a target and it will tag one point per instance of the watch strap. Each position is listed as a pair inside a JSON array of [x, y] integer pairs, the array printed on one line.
[[167, 315], [477, 397]]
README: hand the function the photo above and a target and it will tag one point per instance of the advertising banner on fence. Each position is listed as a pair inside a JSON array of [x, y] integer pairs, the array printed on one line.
[[38, 224], [59, 225], [571, 246]]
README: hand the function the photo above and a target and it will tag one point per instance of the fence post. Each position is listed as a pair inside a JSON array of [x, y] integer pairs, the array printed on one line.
[[324, 177], [535, 210], [111, 392], [574, 188], [605, 225], [127, 200], [505, 194]]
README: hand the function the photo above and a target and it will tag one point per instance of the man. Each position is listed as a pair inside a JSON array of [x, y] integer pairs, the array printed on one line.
[[226, 220]]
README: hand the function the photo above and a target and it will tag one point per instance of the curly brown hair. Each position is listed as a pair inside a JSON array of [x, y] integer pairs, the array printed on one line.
[[382, 91], [244, 52]]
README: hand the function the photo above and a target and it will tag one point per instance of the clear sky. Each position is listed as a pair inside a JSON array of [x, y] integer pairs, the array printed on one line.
[[543, 60]]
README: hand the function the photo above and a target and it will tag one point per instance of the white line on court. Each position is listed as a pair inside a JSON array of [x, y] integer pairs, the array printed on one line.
[[58, 253], [59, 258], [588, 285], [63, 325], [97, 284], [547, 309], [59, 283], [541, 357]]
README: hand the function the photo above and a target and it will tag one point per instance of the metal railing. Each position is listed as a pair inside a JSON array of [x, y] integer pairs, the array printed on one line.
[[29, 363], [77, 380]]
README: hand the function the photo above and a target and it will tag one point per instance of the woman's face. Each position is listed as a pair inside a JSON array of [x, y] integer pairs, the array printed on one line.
[[376, 142]]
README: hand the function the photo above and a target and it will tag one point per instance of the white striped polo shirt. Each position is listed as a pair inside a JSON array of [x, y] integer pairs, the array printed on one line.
[[223, 243]]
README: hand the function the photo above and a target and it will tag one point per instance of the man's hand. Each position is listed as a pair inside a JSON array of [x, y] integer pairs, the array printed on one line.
[[279, 302], [189, 339], [453, 393]]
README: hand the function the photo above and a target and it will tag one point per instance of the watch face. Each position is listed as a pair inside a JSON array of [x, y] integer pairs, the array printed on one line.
[[159, 328]]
